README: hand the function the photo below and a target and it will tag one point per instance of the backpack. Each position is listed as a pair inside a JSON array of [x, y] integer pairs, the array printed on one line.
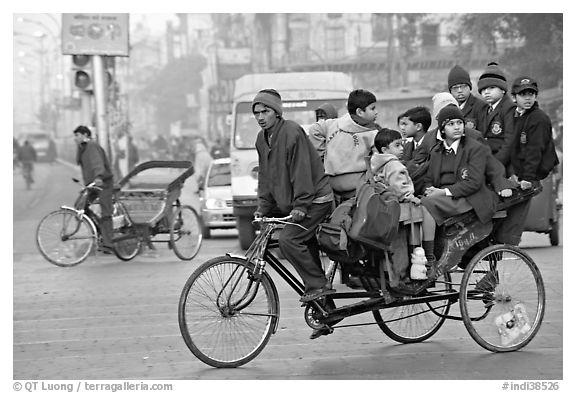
[[332, 235], [376, 214]]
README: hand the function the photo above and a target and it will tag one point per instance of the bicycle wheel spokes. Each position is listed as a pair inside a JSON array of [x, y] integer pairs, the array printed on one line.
[[502, 298], [64, 238], [185, 233], [415, 322], [214, 329]]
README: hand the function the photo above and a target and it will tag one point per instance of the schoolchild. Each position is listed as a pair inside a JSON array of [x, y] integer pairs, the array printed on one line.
[[326, 111], [495, 170], [497, 124], [532, 154], [393, 175], [455, 181], [343, 143], [414, 123], [460, 87]]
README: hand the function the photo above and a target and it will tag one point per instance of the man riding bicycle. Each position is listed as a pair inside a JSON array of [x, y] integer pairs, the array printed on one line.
[[96, 168]]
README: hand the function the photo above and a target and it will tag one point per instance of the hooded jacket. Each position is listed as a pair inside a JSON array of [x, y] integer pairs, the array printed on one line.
[[388, 170], [343, 144]]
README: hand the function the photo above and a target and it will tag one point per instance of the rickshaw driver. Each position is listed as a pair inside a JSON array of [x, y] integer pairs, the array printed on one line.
[[291, 180], [96, 168]]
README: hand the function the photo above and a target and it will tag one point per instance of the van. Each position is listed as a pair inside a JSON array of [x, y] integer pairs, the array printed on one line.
[[302, 93]]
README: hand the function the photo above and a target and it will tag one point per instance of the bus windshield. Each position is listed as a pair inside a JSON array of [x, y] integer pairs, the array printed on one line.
[[302, 112]]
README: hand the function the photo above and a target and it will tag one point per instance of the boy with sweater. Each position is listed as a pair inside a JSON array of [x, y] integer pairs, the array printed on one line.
[[343, 143]]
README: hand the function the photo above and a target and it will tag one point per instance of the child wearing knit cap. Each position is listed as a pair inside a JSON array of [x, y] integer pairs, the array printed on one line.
[[497, 125], [460, 87], [455, 181]]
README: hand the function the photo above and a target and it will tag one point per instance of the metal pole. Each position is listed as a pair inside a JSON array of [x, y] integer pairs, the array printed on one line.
[[100, 99]]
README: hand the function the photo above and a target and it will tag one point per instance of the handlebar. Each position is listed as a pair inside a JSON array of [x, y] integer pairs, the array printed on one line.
[[91, 186], [276, 220]]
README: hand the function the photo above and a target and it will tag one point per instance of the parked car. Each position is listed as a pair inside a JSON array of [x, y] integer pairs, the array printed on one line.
[[216, 198], [43, 144]]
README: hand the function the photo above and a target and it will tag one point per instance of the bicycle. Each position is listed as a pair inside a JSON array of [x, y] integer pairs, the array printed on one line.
[[229, 307]]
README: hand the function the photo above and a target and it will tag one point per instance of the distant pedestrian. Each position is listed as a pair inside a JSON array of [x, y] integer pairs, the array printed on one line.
[[27, 156]]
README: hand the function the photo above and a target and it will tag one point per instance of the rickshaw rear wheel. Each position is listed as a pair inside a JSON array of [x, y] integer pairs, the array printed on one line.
[[185, 233], [554, 234], [502, 298], [415, 323]]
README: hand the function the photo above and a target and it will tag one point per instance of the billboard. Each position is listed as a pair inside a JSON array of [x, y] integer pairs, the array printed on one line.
[[95, 34]]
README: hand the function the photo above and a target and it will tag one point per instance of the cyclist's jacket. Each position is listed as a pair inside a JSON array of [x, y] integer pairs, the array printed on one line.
[[92, 159], [290, 172]]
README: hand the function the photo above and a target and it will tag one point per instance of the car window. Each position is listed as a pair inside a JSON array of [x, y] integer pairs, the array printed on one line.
[[219, 175]]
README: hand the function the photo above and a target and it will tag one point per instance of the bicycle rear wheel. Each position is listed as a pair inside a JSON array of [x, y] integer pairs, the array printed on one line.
[[65, 239], [185, 233], [225, 317], [415, 323], [502, 298]]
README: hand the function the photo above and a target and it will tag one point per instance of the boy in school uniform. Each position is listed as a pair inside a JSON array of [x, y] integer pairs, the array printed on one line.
[[460, 87], [497, 124], [414, 123], [532, 154]]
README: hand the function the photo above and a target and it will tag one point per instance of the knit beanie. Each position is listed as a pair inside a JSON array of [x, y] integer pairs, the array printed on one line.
[[331, 112], [449, 112], [440, 100], [492, 76], [269, 97], [457, 76]]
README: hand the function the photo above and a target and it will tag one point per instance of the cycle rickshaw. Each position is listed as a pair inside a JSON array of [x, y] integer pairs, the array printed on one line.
[[146, 209], [229, 307]]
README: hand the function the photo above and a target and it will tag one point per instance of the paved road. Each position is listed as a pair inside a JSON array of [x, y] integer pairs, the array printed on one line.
[[107, 319]]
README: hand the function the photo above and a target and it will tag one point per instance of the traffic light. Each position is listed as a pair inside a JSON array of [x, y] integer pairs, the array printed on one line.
[[82, 73]]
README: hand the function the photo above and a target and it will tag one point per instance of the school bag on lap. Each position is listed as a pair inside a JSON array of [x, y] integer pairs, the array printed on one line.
[[376, 214], [333, 238]]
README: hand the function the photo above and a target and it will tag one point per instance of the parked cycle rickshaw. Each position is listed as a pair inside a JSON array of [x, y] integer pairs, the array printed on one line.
[[229, 306], [146, 209]]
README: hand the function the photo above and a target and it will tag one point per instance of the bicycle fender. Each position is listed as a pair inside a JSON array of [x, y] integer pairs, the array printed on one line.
[[84, 216], [231, 255]]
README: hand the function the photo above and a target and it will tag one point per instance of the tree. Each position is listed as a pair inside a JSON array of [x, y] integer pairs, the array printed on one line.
[[539, 38], [167, 90]]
